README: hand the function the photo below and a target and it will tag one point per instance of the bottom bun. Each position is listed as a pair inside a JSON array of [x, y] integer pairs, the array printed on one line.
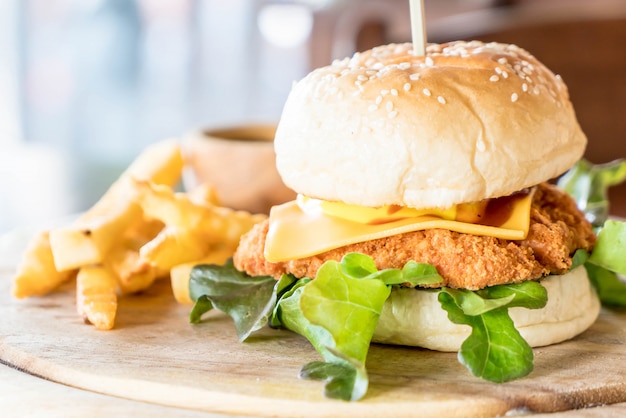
[[415, 317]]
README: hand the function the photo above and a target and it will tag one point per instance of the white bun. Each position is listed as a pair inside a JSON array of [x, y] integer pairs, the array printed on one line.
[[415, 318], [466, 122]]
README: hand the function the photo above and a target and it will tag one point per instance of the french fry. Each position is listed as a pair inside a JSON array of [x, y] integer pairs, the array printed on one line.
[[174, 246], [215, 224], [36, 274], [89, 239], [160, 163], [141, 232], [133, 272], [204, 194], [180, 274], [96, 296], [173, 209], [225, 226]]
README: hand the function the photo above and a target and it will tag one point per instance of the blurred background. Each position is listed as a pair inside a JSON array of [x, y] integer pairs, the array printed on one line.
[[86, 84]]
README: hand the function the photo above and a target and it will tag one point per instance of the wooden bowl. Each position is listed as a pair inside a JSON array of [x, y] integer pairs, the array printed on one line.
[[240, 162]]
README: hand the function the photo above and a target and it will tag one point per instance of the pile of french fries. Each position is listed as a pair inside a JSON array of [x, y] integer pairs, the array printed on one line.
[[140, 230]]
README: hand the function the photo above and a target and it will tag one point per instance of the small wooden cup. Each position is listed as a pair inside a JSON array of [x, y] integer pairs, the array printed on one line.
[[239, 161]]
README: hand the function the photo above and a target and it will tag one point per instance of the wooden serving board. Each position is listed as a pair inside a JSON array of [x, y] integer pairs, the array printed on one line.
[[155, 355]]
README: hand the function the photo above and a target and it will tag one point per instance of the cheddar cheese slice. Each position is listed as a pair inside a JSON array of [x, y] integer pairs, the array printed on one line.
[[294, 233]]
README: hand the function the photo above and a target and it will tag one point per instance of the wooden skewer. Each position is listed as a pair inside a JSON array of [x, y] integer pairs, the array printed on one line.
[[418, 27]]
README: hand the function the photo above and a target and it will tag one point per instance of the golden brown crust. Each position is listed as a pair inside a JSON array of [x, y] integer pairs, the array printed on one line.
[[557, 229]]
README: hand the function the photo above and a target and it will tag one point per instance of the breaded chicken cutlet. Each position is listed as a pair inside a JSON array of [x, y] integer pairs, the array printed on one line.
[[557, 230]]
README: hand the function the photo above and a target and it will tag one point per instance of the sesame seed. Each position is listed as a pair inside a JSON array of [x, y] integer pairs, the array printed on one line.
[[379, 99], [441, 99], [372, 108], [494, 78], [498, 70], [361, 77], [407, 86], [429, 61], [393, 114], [404, 66], [426, 92], [389, 106], [505, 74], [394, 92], [524, 87], [414, 76], [514, 97], [434, 48], [536, 90], [502, 61], [384, 92]]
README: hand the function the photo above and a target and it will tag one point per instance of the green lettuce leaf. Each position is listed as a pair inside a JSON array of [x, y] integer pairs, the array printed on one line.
[[610, 249], [285, 288], [345, 378], [347, 308], [338, 314], [471, 303], [611, 290], [201, 306], [580, 258], [361, 266], [248, 300], [588, 184], [528, 294], [607, 260], [495, 350]]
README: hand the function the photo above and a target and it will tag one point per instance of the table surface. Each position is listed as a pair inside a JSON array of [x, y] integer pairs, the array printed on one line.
[[27, 395]]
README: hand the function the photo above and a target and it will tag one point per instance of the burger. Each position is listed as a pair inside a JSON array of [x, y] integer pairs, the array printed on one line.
[[426, 213]]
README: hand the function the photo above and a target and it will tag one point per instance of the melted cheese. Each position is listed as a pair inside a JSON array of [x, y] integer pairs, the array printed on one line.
[[294, 233], [368, 215]]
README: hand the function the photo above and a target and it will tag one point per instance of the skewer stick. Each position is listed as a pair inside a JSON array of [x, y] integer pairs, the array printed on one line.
[[418, 27]]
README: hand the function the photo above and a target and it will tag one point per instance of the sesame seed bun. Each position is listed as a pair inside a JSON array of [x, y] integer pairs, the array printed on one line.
[[429, 326], [466, 122]]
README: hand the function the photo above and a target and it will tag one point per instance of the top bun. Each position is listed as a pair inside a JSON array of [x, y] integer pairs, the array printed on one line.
[[465, 122]]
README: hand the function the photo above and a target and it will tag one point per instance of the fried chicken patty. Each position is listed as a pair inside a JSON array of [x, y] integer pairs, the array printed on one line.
[[557, 230]]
